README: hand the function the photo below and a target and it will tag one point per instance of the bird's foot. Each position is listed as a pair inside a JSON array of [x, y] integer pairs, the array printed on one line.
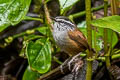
[[78, 63], [77, 66], [63, 64], [73, 60]]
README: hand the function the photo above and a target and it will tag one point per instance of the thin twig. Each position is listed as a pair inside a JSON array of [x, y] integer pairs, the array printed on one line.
[[49, 21], [82, 13]]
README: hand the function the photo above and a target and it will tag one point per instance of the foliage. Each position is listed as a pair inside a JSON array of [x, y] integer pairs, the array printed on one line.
[[38, 44], [30, 75], [39, 55], [110, 22], [66, 5], [12, 12], [99, 35]]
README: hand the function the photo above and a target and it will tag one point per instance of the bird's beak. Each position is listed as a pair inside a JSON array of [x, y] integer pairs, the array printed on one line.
[[53, 18]]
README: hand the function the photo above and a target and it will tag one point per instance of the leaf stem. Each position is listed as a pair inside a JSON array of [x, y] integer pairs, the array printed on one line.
[[31, 18], [58, 61]]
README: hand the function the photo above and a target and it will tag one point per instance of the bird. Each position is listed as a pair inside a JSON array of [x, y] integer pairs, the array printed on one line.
[[68, 37]]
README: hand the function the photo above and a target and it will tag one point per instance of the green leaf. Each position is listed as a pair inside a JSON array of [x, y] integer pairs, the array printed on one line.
[[26, 39], [82, 27], [99, 36], [12, 12], [43, 30], [30, 75], [66, 4], [114, 37], [111, 22], [39, 55]]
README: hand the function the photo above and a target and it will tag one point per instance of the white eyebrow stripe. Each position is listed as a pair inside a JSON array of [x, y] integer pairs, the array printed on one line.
[[62, 20]]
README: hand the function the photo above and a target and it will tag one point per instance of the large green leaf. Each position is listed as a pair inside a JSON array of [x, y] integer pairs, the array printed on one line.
[[111, 22], [30, 75], [66, 4], [99, 36], [39, 55], [12, 12]]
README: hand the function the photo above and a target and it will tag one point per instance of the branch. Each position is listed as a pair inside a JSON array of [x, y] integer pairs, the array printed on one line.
[[49, 21], [55, 74]]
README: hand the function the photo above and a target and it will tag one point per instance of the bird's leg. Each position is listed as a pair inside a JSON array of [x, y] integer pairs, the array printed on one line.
[[76, 69], [76, 60], [79, 63], [64, 63], [73, 60]]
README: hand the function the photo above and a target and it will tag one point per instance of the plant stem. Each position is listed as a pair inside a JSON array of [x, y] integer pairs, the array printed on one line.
[[49, 21], [114, 7], [27, 32], [106, 37], [82, 13], [115, 56], [31, 18], [89, 36], [105, 30], [58, 61], [95, 42], [88, 21], [103, 59], [114, 12]]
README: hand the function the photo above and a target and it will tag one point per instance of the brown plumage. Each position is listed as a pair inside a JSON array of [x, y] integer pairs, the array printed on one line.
[[68, 37]]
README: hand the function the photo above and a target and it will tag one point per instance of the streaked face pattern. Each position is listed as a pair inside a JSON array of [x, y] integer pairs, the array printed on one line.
[[62, 23]]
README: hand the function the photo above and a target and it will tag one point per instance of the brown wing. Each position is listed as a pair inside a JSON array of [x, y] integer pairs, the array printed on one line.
[[78, 37]]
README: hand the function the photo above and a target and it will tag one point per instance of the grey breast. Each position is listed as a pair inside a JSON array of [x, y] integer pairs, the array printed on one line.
[[60, 35]]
